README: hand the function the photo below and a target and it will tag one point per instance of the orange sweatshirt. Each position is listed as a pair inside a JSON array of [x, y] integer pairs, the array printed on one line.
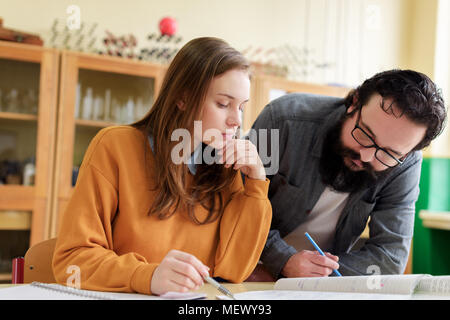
[[107, 233]]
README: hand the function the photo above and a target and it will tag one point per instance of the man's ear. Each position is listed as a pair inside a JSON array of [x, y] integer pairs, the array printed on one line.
[[354, 102], [351, 108]]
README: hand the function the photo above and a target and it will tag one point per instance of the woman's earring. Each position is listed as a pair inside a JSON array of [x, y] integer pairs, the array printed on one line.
[[180, 105]]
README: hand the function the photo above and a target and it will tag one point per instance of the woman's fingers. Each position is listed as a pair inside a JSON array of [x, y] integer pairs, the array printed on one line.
[[184, 280], [242, 154], [229, 153], [239, 152], [191, 267], [187, 271], [178, 271], [200, 269]]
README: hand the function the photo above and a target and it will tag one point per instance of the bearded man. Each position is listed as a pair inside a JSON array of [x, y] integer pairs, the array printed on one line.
[[341, 162]]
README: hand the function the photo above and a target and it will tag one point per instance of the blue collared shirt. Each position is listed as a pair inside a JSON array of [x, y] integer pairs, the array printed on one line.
[[193, 160]]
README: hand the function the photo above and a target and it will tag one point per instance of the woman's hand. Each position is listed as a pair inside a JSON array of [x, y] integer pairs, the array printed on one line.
[[178, 271], [242, 154]]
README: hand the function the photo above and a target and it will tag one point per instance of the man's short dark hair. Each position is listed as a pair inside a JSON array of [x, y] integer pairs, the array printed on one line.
[[414, 95]]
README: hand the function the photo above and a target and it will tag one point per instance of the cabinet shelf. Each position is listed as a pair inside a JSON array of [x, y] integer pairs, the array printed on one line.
[[17, 197], [18, 116], [94, 123], [15, 220], [5, 276]]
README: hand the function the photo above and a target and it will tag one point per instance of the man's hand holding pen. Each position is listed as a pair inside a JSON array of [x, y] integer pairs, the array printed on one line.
[[310, 264]]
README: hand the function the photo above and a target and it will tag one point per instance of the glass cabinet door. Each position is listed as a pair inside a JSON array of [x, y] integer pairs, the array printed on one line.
[[104, 99], [19, 100], [28, 96], [96, 92]]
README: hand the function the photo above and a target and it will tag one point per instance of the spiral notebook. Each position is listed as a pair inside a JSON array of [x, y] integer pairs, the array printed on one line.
[[47, 291]]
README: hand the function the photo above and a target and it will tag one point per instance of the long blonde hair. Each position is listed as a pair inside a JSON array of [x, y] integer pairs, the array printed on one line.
[[188, 78]]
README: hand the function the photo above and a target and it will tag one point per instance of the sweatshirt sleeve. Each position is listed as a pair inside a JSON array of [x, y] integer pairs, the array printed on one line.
[[85, 232], [244, 228]]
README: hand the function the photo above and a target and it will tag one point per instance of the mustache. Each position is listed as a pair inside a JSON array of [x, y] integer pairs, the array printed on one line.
[[345, 152]]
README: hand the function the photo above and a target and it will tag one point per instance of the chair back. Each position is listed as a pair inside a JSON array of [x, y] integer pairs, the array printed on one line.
[[38, 262]]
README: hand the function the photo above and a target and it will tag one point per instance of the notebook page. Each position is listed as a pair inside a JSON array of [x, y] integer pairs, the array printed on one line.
[[29, 292], [430, 296], [44, 291], [435, 284], [390, 284], [312, 295]]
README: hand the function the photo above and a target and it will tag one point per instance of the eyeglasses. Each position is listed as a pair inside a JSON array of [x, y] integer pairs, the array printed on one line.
[[364, 139]]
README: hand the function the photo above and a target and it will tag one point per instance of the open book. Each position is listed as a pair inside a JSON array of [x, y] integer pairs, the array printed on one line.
[[46, 291], [385, 287]]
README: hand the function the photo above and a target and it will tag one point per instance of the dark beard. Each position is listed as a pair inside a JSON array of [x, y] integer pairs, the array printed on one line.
[[334, 171]]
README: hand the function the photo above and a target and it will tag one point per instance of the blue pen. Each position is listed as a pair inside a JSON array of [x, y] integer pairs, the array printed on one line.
[[320, 251]]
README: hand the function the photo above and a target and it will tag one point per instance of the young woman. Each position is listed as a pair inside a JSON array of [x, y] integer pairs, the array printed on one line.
[[139, 219]]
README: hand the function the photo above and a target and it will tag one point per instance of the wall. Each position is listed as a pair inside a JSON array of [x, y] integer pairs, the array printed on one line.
[[357, 38], [420, 41], [429, 54]]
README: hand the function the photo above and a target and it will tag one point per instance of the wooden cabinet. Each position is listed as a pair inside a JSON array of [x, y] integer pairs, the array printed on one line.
[[52, 103], [28, 106], [95, 92], [265, 88]]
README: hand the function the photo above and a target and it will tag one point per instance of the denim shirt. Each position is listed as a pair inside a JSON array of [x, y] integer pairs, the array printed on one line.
[[302, 121]]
